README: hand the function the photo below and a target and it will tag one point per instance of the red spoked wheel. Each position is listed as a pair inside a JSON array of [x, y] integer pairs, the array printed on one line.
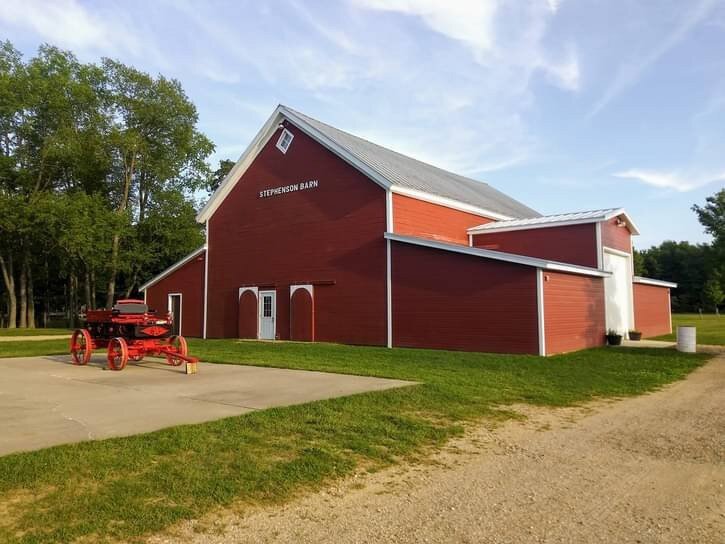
[[81, 346], [117, 354], [180, 347]]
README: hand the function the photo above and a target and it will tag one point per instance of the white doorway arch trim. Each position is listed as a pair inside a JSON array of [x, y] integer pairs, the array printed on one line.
[[254, 290], [307, 287]]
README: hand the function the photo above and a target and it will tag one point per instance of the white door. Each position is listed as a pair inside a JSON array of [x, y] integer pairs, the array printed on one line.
[[267, 314], [618, 292]]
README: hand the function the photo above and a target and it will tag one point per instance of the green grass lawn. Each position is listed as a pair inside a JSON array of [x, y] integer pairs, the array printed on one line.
[[28, 348], [125, 488], [34, 332], [710, 328]]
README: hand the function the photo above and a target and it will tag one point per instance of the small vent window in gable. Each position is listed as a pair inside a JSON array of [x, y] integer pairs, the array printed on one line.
[[285, 140]]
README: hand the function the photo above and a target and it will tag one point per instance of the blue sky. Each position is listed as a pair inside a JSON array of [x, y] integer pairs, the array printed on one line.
[[564, 104]]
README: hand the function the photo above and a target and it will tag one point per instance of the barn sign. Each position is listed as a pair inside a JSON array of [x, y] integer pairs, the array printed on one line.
[[284, 189]]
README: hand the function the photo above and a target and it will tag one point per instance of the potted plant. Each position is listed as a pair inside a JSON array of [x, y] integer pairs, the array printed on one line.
[[635, 335], [614, 338]]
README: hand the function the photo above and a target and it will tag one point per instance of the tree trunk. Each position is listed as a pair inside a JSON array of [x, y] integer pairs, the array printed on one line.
[[23, 317], [111, 291], [31, 296], [72, 300], [93, 289], [129, 169], [6, 266], [87, 287]]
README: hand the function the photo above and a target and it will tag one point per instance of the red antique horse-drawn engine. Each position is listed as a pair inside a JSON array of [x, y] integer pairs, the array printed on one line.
[[130, 331]]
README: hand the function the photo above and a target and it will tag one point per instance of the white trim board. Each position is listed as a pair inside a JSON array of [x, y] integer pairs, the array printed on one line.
[[270, 128], [500, 256], [181, 307], [540, 311], [448, 203], [173, 268], [490, 228], [616, 251], [206, 282], [653, 282]]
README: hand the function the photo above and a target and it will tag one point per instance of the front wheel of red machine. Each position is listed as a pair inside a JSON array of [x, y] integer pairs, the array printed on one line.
[[81, 346], [117, 354], [180, 347]]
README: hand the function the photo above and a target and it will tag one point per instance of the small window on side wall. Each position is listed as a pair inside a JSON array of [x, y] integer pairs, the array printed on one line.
[[285, 140]]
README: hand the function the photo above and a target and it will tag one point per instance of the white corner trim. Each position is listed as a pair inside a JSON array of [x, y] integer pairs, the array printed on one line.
[[206, 283], [540, 307], [307, 287], [173, 268], [279, 145], [653, 282], [254, 290], [616, 251], [448, 203], [389, 219], [389, 294], [470, 240], [181, 307], [500, 256], [598, 234]]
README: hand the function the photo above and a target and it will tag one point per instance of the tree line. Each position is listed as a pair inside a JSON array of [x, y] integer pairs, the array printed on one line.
[[698, 269], [99, 167]]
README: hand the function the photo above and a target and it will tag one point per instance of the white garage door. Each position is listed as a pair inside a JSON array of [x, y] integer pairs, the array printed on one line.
[[618, 292]]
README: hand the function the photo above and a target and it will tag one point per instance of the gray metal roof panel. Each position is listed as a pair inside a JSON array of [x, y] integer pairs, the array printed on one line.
[[410, 173]]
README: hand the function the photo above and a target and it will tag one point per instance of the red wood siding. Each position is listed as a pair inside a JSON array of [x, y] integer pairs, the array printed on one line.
[[652, 310], [189, 281], [247, 320], [419, 218], [331, 234], [573, 312], [575, 244], [447, 300], [302, 317], [616, 237]]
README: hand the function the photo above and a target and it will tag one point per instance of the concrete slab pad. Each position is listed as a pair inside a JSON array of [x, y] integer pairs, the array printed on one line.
[[45, 401]]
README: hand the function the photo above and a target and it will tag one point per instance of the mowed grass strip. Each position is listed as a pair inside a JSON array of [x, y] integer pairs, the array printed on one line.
[[710, 328], [30, 348], [35, 332], [126, 488]]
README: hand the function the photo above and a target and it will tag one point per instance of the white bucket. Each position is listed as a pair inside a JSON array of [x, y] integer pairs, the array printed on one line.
[[686, 339]]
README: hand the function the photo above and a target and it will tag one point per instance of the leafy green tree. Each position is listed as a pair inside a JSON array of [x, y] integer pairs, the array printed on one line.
[[155, 146], [225, 166], [712, 293]]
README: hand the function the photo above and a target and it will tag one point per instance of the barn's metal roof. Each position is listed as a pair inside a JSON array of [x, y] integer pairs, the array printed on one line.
[[405, 172], [591, 216], [536, 262]]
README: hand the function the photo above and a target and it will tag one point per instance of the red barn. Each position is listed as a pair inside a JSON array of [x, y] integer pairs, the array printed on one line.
[[318, 235]]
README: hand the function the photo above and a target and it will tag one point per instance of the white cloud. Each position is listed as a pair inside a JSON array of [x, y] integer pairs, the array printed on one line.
[[674, 180], [468, 21], [630, 72], [68, 24]]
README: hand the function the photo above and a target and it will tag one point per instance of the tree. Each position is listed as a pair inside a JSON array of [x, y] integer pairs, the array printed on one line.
[[225, 166], [155, 146], [712, 293], [712, 216], [90, 155]]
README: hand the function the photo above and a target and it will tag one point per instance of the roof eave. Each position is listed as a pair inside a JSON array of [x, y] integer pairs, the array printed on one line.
[[535, 262], [173, 268]]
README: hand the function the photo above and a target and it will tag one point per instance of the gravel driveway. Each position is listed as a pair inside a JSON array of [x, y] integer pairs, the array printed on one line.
[[644, 469]]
